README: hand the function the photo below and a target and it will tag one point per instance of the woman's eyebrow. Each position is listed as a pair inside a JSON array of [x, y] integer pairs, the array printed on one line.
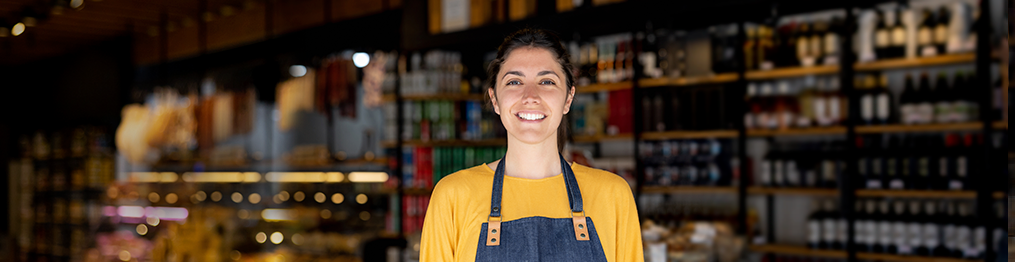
[[514, 73], [547, 73]]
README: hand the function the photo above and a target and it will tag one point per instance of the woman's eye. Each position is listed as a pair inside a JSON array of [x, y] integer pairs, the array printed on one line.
[[514, 82], [547, 82]]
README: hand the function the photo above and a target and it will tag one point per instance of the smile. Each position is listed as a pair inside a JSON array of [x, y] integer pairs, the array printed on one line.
[[530, 116]]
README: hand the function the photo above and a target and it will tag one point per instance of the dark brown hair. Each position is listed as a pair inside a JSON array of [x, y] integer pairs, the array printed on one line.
[[536, 38]]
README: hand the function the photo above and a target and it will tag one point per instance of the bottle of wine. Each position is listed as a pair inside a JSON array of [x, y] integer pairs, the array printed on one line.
[[768, 118], [924, 101], [942, 100], [964, 233], [893, 163], [900, 229], [907, 102], [792, 177], [785, 106], [925, 35], [831, 41], [950, 229], [751, 117], [829, 226], [867, 103], [971, 112], [803, 44], [882, 37], [876, 162], [941, 30], [814, 226], [883, 102], [915, 229], [765, 168], [862, 219], [924, 154], [883, 220], [838, 103], [960, 105], [931, 231], [897, 47], [817, 48], [766, 48], [805, 103], [863, 161], [778, 167]]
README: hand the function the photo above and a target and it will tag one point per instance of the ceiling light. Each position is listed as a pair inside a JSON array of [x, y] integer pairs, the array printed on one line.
[[18, 29], [297, 70], [360, 59]]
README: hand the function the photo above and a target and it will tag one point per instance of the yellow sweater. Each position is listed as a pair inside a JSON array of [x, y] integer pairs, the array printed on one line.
[[460, 204]]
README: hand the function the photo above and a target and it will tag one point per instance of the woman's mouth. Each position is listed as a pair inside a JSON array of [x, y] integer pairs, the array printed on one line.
[[530, 116]]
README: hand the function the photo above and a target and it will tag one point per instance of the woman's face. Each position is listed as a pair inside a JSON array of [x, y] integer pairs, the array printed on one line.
[[531, 95]]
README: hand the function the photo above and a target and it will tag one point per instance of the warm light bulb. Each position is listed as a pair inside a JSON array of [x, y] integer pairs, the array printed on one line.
[[276, 238], [76, 3], [260, 237]]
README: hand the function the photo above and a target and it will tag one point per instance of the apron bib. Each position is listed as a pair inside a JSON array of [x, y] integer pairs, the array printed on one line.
[[539, 238]]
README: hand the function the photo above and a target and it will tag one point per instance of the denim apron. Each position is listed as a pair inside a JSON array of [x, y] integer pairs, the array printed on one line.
[[539, 238]]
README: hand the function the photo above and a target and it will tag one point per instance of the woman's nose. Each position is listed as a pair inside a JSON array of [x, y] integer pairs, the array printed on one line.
[[530, 94]]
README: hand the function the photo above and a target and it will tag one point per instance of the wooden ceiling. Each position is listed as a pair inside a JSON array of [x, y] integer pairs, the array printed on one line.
[[63, 30]]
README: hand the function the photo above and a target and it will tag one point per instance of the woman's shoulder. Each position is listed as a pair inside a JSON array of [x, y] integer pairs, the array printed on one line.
[[599, 177], [464, 180]]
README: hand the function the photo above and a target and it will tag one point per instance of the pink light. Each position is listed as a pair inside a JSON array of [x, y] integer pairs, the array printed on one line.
[[130, 211], [109, 211]]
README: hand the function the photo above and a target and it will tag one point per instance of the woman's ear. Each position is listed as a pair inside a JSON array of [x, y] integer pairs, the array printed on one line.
[[570, 98], [493, 100]]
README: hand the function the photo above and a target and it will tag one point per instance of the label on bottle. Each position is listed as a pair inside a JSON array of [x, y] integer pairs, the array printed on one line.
[[926, 112], [816, 49], [871, 233], [923, 167], [811, 178], [949, 236], [891, 164], [828, 230], [874, 184], [899, 36], [959, 112], [876, 168], [960, 166], [802, 47], [931, 238], [942, 111], [833, 109], [820, 110], [884, 232], [942, 166], [792, 174], [924, 36], [831, 43], [941, 34], [766, 172], [907, 114], [963, 237], [786, 119], [867, 108], [915, 232], [829, 171], [883, 111], [749, 120], [813, 231], [840, 230], [979, 240], [882, 38], [861, 166], [896, 184]]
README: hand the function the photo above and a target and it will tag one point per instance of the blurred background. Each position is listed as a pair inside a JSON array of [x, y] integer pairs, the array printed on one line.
[[315, 130]]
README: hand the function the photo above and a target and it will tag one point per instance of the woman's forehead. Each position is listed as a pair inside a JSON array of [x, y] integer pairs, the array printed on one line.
[[530, 59]]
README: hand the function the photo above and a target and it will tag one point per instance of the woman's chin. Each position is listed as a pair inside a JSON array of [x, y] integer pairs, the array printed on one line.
[[532, 137]]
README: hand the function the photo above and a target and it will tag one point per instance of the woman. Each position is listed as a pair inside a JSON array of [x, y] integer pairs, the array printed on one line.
[[531, 205]]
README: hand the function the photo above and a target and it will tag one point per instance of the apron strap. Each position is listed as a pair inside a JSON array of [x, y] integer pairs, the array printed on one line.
[[574, 195]]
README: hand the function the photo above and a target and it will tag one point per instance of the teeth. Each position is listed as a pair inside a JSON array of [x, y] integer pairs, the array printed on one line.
[[530, 116]]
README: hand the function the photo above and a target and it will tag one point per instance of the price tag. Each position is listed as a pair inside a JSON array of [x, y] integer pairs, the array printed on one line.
[[874, 184], [897, 184]]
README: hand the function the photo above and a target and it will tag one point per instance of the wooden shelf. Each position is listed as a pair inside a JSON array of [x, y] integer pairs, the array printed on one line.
[[791, 72], [999, 195], [916, 62], [915, 193], [689, 134], [688, 190], [602, 138], [835, 130], [898, 258], [1001, 125], [444, 97], [388, 98], [605, 87], [389, 144], [797, 251], [793, 191], [918, 128], [484, 142], [688, 81]]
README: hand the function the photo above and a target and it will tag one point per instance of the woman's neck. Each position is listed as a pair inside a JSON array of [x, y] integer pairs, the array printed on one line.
[[531, 161]]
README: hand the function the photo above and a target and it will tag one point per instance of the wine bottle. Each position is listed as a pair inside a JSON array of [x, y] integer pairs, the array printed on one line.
[[971, 110], [863, 161], [915, 229], [950, 232], [831, 42], [882, 37], [883, 219], [924, 101], [883, 102], [766, 170], [817, 48], [925, 35], [862, 219], [829, 226], [960, 107], [778, 167], [931, 231], [870, 227], [803, 44], [900, 229], [907, 102], [942, 100], [964, 233], [924, 154], [876, 163], [814, 226], [805, 103], [897, 47], [941, 30], [753, 107], [867, 103]]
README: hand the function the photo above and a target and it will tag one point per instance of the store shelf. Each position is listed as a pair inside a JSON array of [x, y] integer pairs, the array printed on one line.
[[836, 130], [791, 72], [605, 87], [602, 138], [688, 81], [689, 134], [999, 195], [898, 258], [919, 128], [388, 98], [444, 97], [915, 193], [793, 191], [797, 251], [688, 190], [389, 144], [484, 142], [916, 62], [1001, 125]]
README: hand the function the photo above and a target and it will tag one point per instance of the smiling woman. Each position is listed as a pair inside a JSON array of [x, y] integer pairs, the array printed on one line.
[[531, 204]]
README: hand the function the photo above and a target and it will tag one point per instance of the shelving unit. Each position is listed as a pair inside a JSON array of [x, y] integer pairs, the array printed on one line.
[[605, 87], [797, 251], [825, 192], [689, 134], [603, 138], [915, 62], [814, 131], [433, 143], [688, 190], [444, 97], [972, 126], [687, 81], [916, 194], [897, 258], [791, 72]]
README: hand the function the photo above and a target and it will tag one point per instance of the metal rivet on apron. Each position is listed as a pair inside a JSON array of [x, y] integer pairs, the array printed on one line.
[[493, 240], [581, 226], [583, 235], [496, 209], [493, 231]]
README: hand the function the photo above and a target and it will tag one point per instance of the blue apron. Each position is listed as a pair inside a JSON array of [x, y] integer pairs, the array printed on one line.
[[539, 238]]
